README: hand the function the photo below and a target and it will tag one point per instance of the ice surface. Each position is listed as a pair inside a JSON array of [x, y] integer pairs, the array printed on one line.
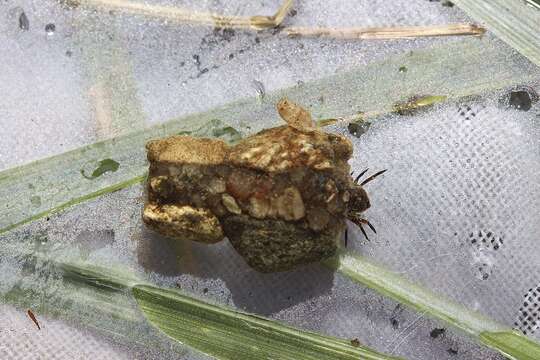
[[450, 175]]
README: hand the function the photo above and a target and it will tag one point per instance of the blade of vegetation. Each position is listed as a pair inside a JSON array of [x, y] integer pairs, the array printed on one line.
[[515, 22], [450, 70], [228, 334], [118, 303], [486, 331]]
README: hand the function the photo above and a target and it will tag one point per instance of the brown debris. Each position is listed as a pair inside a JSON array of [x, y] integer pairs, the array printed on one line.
[[33, 318]]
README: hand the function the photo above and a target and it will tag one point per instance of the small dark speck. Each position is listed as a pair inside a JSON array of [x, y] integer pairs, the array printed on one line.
[[24, 24], [196, 59], [182, 63], [435, 333], [395, 323], [50, 28], [47, 218], [293, 13], [496, 247], [447, 4], [241, 51], [520, 100], [178, 285], [257, 40], [231, 56], [69, 53], [288, 298], [204, 71], [225, 34], [358, 128], [485, 276], [205, 290], [452, 351], [402, 69], [355, 342]]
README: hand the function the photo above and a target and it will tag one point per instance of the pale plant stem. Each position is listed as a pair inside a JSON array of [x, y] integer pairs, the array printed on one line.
[[386, 32], [258, 22], [182, 15]]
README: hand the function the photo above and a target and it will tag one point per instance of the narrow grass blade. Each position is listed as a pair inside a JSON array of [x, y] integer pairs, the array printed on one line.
[[515, 22], [118, 302], [451, 70], [486, 331], [228, 334]]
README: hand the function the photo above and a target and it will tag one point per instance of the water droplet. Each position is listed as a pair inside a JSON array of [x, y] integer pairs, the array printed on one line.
[[24, 24], [519, 98], [50, 29]]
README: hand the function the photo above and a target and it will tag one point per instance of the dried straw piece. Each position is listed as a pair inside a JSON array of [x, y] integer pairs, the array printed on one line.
[[182, 15], [386, 32]]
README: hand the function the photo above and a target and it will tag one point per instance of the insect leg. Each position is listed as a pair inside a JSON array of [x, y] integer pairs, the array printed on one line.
[[360, 175], [363, 231], [360, 222], [373, 177]]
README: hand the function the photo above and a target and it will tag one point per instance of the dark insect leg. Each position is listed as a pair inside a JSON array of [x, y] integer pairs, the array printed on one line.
[[371, 226], [359, 221], [373, 177], [364, 221], [363, 231], [346, 237], [360, 175]]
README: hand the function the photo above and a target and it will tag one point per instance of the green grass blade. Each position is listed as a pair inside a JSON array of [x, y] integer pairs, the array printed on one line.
[[512, 344], [486, 331], [228, 334], [117, 302], [514, 21], [451, 70]]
